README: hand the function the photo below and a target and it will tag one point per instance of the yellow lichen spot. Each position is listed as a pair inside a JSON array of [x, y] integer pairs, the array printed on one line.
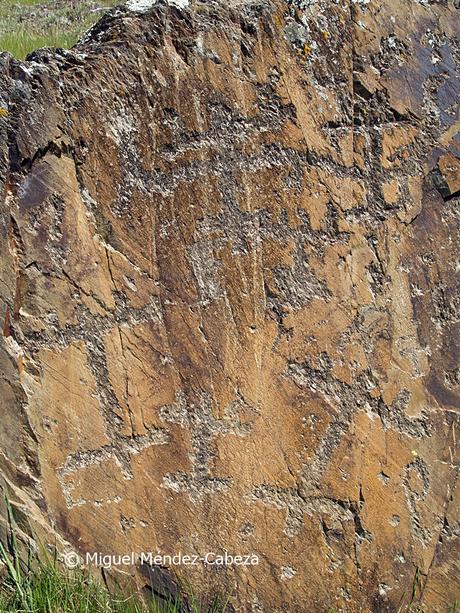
[[306, 49], [278, 21], [414, 453], [342, 19], [3, 112], [325, 34]]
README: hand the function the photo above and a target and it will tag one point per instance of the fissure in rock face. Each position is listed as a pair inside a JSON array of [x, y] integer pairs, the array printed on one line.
[[229, 280]]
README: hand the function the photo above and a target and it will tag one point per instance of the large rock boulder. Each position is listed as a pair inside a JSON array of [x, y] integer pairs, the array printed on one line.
[[229, 291]]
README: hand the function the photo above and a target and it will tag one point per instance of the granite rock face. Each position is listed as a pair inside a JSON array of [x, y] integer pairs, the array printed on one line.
[[229, 291]]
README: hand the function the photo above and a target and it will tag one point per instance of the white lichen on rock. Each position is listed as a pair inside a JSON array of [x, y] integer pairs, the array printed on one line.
[[142, 6]]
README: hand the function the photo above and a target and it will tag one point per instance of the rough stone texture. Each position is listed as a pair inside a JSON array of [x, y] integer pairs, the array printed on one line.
[[229, 282]]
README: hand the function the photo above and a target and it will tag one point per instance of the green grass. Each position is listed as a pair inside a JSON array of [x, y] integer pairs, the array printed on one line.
[[27, 25], [22, 43], [413, 605], [42, 585]]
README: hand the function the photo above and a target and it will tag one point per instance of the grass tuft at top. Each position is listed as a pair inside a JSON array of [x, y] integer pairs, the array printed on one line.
[[27, 25]]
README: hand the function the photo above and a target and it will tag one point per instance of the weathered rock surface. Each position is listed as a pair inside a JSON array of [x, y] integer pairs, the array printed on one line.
[[229, 287]]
